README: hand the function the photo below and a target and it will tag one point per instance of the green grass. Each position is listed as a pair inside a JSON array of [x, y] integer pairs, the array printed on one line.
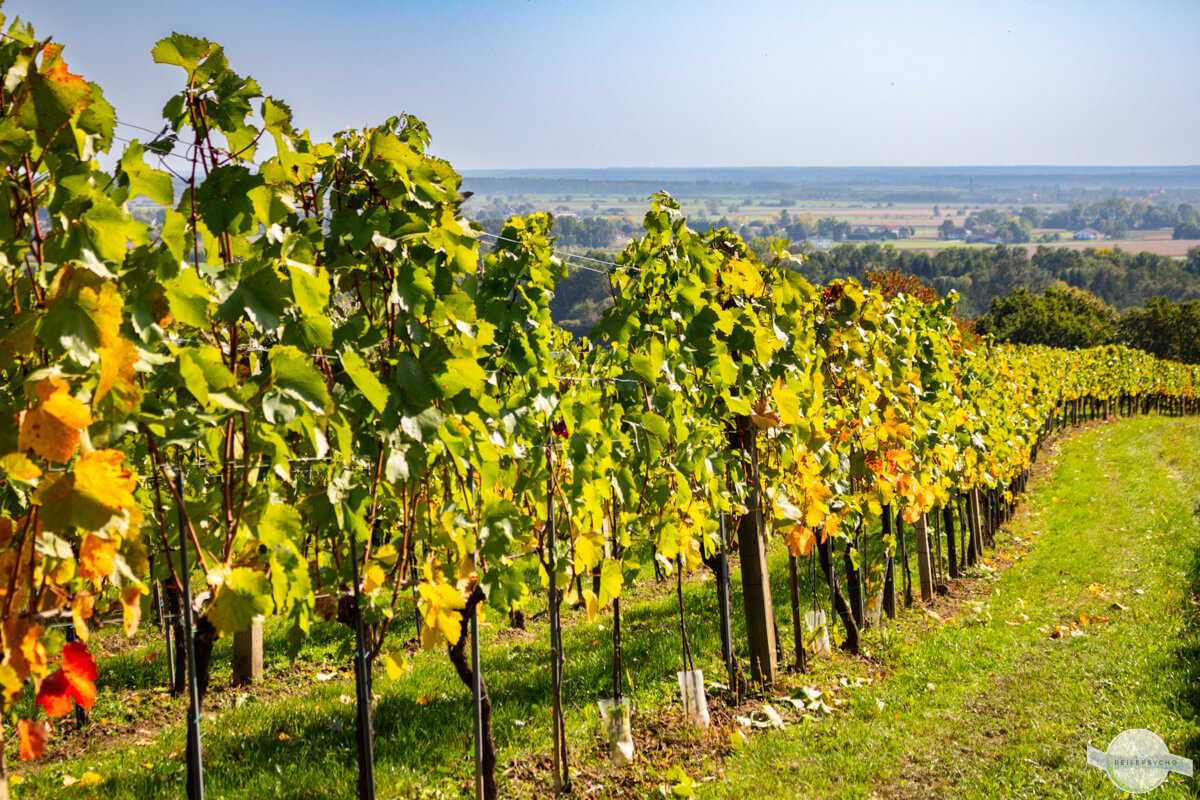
[[1009, 715], [1011, 710]]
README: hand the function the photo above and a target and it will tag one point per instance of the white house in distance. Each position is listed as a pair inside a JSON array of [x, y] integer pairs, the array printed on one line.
[[1088, 234]]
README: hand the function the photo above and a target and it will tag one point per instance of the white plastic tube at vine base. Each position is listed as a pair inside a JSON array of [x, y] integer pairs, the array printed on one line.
[[695, 703]]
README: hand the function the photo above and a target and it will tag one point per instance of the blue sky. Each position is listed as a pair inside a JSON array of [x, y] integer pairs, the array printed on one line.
[[535, 83]]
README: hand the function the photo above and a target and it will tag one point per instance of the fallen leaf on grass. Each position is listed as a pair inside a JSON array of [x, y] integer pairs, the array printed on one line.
[[1065, 631]]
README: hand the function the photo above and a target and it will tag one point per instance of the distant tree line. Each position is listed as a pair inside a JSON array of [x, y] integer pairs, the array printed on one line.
[[1064, 316], [569, 231], [759, 234], [1121, 279], [1116, 217]]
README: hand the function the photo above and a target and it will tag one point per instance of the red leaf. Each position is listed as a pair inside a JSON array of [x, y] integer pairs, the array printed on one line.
[[75, 681], [81, 672], [33, 738], [54, 694]]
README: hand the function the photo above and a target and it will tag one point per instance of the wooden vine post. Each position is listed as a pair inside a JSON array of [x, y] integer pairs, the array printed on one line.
[[889, 576], [924, 560], [248, 655], [756, 583], [948, 524]]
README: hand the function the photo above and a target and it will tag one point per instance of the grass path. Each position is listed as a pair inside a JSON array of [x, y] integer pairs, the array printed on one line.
[[989, 705], [973, 707]]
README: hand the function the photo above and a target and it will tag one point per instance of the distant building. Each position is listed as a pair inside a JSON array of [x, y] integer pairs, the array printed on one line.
[[1088, 234], [957, 234], [819, 242], [984, 237], [887, 232]]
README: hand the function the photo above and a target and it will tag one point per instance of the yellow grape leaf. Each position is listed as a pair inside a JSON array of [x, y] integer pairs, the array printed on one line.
[[10, 683], [18, 467], [82, 606], [816, 501], [396, 665], [100, 476], [612, 577], [787, 403], [374, 579], [52, 429], [589, 549], [96, 556], [593, 608], [441, 605], [90, 779], [737, 739]]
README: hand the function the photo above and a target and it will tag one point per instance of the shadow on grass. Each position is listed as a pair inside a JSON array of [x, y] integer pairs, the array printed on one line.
[[147, 666]]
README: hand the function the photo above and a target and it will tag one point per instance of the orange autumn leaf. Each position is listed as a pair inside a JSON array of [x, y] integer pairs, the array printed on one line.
[[52, 429], [899, 459], [82, 606], [800, 541], [100, 476], [14, 639], [33, 738], [103, 307], [131, 609], [762, 415], [33, 650], [55, 69], [116, 370], [96, 556]]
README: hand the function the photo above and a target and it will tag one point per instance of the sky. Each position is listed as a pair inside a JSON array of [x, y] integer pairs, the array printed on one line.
[[515, 84]]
